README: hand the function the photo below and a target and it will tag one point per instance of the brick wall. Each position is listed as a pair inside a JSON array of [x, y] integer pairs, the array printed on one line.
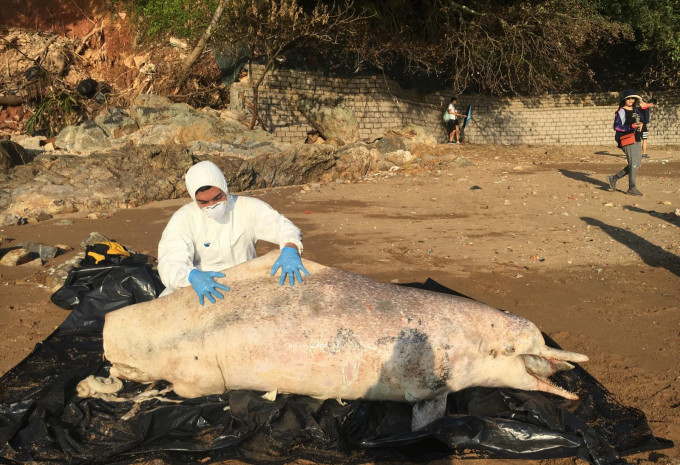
[[380, 103]]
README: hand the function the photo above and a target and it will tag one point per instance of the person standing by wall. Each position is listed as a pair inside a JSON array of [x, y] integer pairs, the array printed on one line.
[[451, 119], [644, 111], [628, 134]]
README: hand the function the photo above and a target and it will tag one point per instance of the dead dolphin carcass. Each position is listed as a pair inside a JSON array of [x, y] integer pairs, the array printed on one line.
[[337, 335]]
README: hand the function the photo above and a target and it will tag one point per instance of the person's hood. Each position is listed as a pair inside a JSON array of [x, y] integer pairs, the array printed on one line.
[[205, 173]]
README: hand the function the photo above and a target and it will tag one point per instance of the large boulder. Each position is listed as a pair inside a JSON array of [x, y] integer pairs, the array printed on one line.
[[148, 109], [116, 122], [83, 139], [354, 162], [11, 155], [98, 182], [15, 257], [331, 118], [391, 141], [411, 137], [182, 128]]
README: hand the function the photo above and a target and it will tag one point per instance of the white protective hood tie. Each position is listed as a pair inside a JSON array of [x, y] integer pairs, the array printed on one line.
[[205, 173]]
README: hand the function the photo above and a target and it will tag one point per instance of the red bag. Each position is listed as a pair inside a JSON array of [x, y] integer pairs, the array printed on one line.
[[627, 139]]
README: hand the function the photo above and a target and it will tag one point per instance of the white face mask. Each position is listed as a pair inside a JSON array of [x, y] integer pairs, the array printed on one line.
[[216, 211]]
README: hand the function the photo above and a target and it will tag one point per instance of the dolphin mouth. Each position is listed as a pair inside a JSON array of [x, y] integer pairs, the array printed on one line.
[[548, 362]]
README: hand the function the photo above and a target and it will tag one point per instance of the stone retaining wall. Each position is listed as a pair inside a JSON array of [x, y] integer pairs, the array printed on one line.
[[380, 103]]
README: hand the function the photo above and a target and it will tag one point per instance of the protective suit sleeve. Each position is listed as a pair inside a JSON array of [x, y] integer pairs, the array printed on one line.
[[176, 252], [271, 226]]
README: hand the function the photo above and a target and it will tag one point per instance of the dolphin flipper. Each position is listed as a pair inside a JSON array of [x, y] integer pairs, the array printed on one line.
[[427, 411]]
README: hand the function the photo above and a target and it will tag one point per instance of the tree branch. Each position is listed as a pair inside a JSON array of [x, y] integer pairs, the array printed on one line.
[[203, 41]]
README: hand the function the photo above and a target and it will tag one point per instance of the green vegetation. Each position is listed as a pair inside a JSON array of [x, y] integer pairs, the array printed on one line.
[[180, 18], [655, 26], [489, 46], [54, 112]]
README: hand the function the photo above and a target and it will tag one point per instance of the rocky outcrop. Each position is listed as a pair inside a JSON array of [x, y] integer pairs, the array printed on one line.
[[136, 176], [154, 120], [127, 158]]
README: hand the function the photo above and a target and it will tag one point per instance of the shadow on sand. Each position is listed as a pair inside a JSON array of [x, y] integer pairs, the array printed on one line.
[[651, 254], [610, 154], [671, 217], [583, 177]]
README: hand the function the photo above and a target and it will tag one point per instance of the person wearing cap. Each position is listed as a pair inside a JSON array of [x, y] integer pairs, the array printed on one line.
[[218, 230], [627, 120]]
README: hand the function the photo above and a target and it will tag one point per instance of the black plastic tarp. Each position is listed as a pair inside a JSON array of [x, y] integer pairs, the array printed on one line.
[[93, 291], [42, 419]]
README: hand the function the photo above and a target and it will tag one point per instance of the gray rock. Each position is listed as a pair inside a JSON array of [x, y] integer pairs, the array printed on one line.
[[354, 162], [331, 118], [134, 176], [150, 109], [181, 128], [15, 257], [401, 157], [45, 252], [247, 149], [415, 136], [462, 161], [93, 238], [390, 142], [84, 139], [116, 123], [155, 120], [11, 155], [149, 163], [9, 219], [50, 177], [30, 143]]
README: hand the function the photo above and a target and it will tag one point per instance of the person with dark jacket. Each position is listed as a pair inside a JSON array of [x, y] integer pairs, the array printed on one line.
[[628, 134]]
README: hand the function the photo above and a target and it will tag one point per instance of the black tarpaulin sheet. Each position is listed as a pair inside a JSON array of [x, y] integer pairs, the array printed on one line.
[[93, 291], [42, 420]]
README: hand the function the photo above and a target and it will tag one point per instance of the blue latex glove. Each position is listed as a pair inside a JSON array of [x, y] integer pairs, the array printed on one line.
[[204, 284], [290, 264]]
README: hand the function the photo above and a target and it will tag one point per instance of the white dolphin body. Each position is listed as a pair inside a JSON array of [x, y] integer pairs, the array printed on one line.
[[338, 335]]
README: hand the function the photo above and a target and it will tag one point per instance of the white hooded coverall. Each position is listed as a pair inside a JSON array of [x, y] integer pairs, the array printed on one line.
[[193, 240]]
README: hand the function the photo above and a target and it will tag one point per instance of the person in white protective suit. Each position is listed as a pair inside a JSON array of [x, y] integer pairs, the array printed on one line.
[[217, 231]]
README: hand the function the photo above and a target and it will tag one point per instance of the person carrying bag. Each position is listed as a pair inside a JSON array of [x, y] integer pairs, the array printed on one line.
[[628, 134]]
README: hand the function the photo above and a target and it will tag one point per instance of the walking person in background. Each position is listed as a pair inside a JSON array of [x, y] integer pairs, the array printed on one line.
[[644, 111], [628, 134]]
